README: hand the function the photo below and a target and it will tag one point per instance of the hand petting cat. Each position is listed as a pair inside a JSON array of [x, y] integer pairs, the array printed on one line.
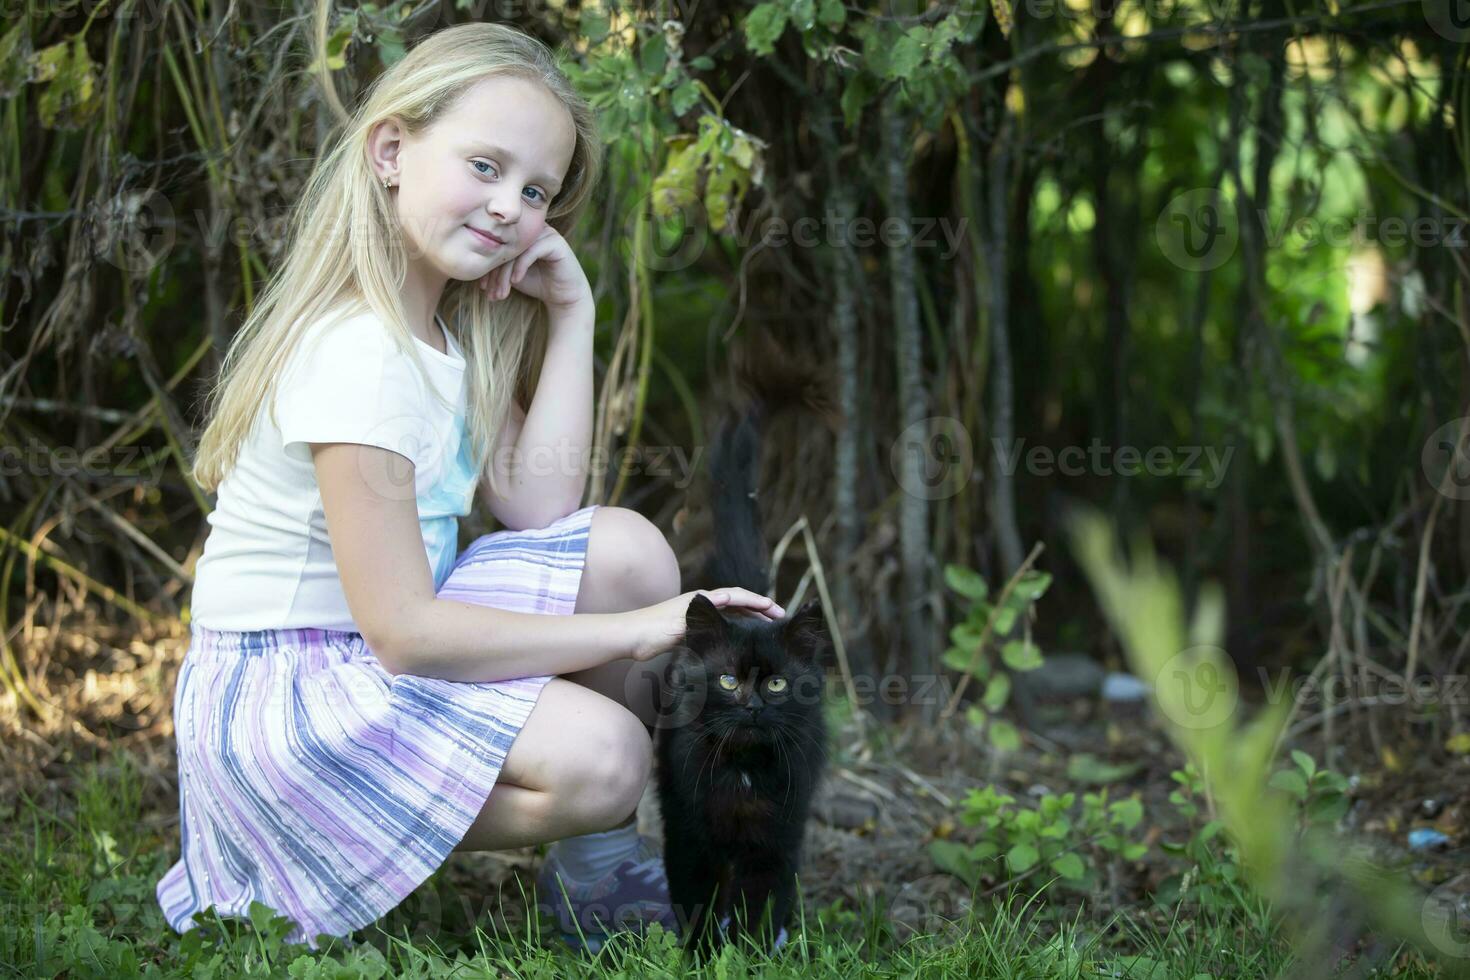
[[659, 627]]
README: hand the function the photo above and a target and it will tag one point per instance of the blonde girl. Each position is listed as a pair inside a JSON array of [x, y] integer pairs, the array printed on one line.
[[358, 700]]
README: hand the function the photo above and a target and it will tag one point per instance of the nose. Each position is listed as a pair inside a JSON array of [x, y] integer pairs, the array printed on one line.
[[755, 711], [504, 205]]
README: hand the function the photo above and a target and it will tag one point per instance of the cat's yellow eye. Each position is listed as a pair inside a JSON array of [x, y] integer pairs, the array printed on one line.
[[776, 684], [728, 682]]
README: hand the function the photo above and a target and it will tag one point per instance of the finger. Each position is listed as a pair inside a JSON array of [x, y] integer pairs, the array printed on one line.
[[757, 602], [524, 260], [502, 281]]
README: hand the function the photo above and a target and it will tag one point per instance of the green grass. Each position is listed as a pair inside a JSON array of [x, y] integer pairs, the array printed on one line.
[[77, 877]]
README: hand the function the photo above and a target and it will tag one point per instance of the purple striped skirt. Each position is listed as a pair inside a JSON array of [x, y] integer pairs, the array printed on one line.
[[317, 783]]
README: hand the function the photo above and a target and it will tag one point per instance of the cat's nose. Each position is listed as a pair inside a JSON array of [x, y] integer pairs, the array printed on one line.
[[755, 712]]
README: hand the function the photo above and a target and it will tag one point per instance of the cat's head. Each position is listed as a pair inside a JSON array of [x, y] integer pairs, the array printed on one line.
[[758, 678]]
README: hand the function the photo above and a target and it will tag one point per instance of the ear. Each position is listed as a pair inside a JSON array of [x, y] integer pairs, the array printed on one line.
[[804, 632], [702, 619]]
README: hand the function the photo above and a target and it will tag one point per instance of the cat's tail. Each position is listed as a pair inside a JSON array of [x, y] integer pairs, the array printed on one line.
[[775, 381]]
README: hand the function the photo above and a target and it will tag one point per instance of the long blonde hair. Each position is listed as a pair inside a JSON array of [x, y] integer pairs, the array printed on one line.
[[344, 245]]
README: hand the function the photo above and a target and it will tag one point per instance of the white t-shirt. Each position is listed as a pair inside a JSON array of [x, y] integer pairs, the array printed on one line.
[[267, 561]]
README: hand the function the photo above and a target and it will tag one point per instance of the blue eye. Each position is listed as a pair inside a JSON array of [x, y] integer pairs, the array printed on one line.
[[476, 163], [540, 196]]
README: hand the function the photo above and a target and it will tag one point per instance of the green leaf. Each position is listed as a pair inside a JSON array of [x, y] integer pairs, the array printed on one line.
[[966, 636], [15, 56], [70, 96], [1127, 813], [594, 24], [905, 57], [1003, 735], [1069, 866], [763, 27], [336, 49], [1327, 809], [832, 14], [1005, 618], [803, 14], [390, 46], [1020, 857], [967, 582], [1304, 762], [1032, 585], [686, 97], [654, 55], [856, 95], [1291, 781], [957, 659], [703, 63], [997, 691], [953, 858], [1088, 768], [1021, 655], [975, 716]]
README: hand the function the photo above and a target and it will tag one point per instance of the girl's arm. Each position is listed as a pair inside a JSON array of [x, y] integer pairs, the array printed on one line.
[[545, 473], [378, 546]]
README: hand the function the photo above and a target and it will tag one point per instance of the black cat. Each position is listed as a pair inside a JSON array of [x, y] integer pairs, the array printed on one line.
[[743, 742]]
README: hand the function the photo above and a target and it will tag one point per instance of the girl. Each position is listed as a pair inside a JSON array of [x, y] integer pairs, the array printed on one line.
[[357, 701]]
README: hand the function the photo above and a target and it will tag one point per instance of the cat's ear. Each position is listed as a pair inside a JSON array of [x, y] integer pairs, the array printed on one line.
[[702, 620], [805, 633]]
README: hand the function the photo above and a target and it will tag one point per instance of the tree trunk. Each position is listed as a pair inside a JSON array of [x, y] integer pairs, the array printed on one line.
[[913, 519]]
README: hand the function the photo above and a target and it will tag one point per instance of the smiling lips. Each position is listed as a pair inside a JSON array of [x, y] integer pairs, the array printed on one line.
[[485, 237]]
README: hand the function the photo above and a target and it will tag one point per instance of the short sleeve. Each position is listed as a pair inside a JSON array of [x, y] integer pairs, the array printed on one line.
[[345, 383]]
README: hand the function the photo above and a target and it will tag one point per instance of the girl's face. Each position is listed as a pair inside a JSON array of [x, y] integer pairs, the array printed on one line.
[[473, 190]]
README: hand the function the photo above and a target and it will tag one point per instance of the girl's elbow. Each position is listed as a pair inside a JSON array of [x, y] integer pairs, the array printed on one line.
[[392, 648]]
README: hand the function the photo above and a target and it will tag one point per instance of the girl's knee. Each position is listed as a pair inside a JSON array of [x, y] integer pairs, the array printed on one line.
[[614, 772], [628, 551]]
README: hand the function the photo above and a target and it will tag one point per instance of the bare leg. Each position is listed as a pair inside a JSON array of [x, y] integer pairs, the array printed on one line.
[[573, 739], [629, 566], [589, 727]]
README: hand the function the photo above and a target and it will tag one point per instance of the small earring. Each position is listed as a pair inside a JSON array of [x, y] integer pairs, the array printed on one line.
[[387, 182]]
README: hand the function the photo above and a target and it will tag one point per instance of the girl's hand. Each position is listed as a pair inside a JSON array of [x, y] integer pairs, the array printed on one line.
[[546, 270], [657, 628]]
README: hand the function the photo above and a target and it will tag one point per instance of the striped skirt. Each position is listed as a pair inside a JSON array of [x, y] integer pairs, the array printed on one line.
[[317, 783]]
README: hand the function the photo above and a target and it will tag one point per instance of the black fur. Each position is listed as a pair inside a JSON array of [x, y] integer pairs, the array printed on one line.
[[737, 769]]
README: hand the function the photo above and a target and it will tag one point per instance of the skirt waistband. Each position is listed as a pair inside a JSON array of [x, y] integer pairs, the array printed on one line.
[[308, 643]]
